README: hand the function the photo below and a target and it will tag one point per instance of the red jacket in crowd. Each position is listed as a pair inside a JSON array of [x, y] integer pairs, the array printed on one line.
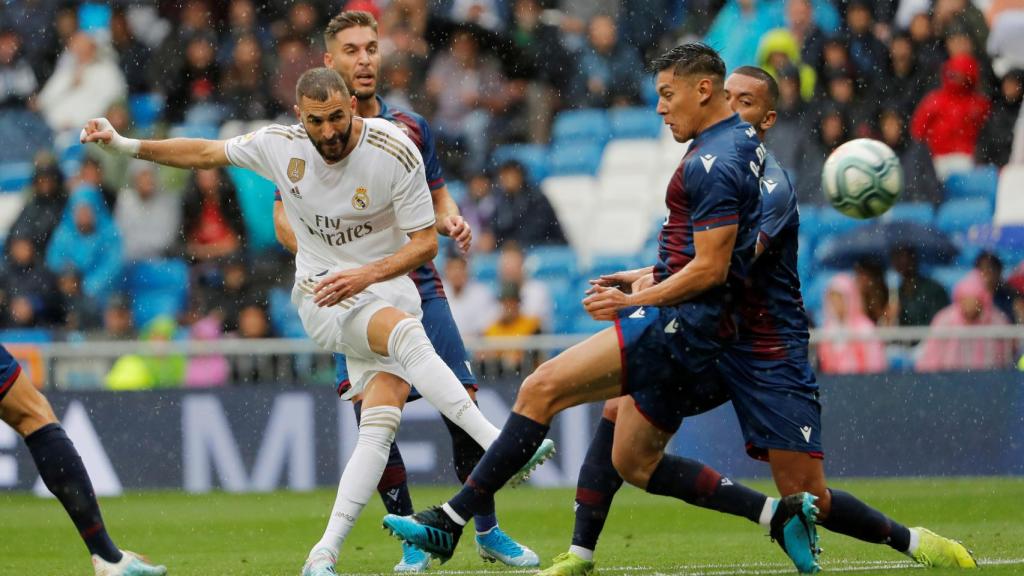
[[950, 117]]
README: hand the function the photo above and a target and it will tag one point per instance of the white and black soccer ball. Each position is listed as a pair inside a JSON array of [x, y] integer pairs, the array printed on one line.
[[862, 178]]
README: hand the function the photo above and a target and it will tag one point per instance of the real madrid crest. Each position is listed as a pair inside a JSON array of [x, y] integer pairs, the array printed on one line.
[[296, 169], [361, 200]]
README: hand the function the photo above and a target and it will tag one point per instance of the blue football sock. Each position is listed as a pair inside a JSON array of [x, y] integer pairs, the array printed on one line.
[[64, 474], [513, 448], [852, 517], [598, 482]]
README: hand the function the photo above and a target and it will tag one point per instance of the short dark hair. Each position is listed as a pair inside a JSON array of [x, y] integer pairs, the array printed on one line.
[[762, 75], [690, 58], [349, 19], [318, 84]]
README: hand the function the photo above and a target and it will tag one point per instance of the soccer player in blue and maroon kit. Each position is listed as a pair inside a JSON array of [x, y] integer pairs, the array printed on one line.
[[352, 50], [26, 410], [666, 335], [766, 373]]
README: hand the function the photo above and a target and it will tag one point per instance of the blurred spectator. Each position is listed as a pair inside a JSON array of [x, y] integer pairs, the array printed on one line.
[[136, 372], [960, 13], [227, 299], [86, 82], [972, 306], [245, 88], [17, 80], [45, 205], [868, 54], [809, 37], [483, 13], [790, 124], [860, 113], [1006, 42], [212, 225], [553, 65], [90, 175], [148, 217], [512, 322], [118, 320], [398, 89], [829, 132], [132, 55], [473, 305], [920, 184], [28, 285], [738, 28], [294, 56], [195, 86], [478, 209], [927, 46], [468, 88], [920, 297], [779, 50], [610, 71], [78, 311], [522, 214], [87, 242], [242, 23], [995, 142], [41, 46], [949, 118], [206, 370], [253, 322], [533, 294], [1017, 153], [166, 66], [874, 292], [990, 268], [303, 20], [848, 345], [907, 80]]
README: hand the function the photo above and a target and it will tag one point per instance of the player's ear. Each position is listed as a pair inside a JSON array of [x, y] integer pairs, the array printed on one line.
[[298, 113], [328, 59], [705, 88], [353, 103], [769, 120]]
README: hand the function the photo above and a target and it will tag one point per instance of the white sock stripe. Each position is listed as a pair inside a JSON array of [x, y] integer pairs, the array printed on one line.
[[399, 334]]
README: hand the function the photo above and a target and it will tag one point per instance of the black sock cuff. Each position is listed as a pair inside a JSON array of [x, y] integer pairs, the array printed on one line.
[[43, 433]]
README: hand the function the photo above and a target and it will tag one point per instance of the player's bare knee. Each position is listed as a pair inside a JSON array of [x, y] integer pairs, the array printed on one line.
[[540, 394], [635, 467], [26, 409]]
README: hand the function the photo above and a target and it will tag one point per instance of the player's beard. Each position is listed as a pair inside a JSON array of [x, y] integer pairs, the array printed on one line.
[[341, 139]]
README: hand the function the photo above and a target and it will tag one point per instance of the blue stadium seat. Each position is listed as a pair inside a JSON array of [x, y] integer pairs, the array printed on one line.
[[565, 304], [534, 157], [804, 258], [283, 317], [584, 324], [634, 123], [576, 158], [205, 131], [256, 198], [484, 267], [157, 287], [26, 336], [32, 135], [948, 276], [832, 222], [814, 294], [981, 182], [15, 176], [609, 264], [585, 125], [551, 262], [457, 190], [917, 212], [647, 88], [145, 110], [958, 216], [810, 224]]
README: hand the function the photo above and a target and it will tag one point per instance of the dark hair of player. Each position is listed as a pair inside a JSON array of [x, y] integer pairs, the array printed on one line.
[[349, 19], [692, 58], [318, 84], [762, 75]]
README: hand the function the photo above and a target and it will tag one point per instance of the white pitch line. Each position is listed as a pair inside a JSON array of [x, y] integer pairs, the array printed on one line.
[[746, 569]]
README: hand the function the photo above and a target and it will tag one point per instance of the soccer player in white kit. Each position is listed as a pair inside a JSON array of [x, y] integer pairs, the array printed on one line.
[[355, 194]]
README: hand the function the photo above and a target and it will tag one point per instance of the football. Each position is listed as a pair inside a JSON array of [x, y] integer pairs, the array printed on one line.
[[862, 178]]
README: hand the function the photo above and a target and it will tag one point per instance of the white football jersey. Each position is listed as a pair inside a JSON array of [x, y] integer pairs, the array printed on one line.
[[345, 214]]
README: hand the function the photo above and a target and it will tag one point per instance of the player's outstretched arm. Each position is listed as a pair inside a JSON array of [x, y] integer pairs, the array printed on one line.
[[421, 248], [186, 153], [450, 221]]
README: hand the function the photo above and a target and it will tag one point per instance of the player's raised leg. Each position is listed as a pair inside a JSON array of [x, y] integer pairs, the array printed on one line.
[[26, 410], [586, 372]]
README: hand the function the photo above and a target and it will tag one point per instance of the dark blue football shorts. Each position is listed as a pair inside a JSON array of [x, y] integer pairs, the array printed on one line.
[[9, 371]]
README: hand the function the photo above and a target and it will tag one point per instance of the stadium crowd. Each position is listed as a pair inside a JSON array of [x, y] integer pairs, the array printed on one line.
[[91, 238]]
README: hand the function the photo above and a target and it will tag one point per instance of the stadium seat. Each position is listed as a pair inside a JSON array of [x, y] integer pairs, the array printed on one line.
[[1009, 204], [145, 110], [11, 206], [484, 267], [551, 262], [534, 157], [981, 182], [565, 304], [814, 294], [15, 176], [629, 155], [631, 187], [573, 198], [256, 198], [457, 190], [284, 319], [647, 88], [810, 223], [584, 125], [609, 264], [634, 123], [958, 216], [917, 212], [32, 134], [205, 131], [584, 324], [157, 287], [620, 230], [576, 158], [948, 276], [832, 222], [26, 336]]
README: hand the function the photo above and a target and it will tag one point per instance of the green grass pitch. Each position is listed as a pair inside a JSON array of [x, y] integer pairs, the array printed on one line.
[[226, 535]]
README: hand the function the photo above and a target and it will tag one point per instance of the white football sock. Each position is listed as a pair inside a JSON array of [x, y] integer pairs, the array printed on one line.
[[453, 514], [767, 512], [915, 540], [585, 553], [410, 347], [358, 483]]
